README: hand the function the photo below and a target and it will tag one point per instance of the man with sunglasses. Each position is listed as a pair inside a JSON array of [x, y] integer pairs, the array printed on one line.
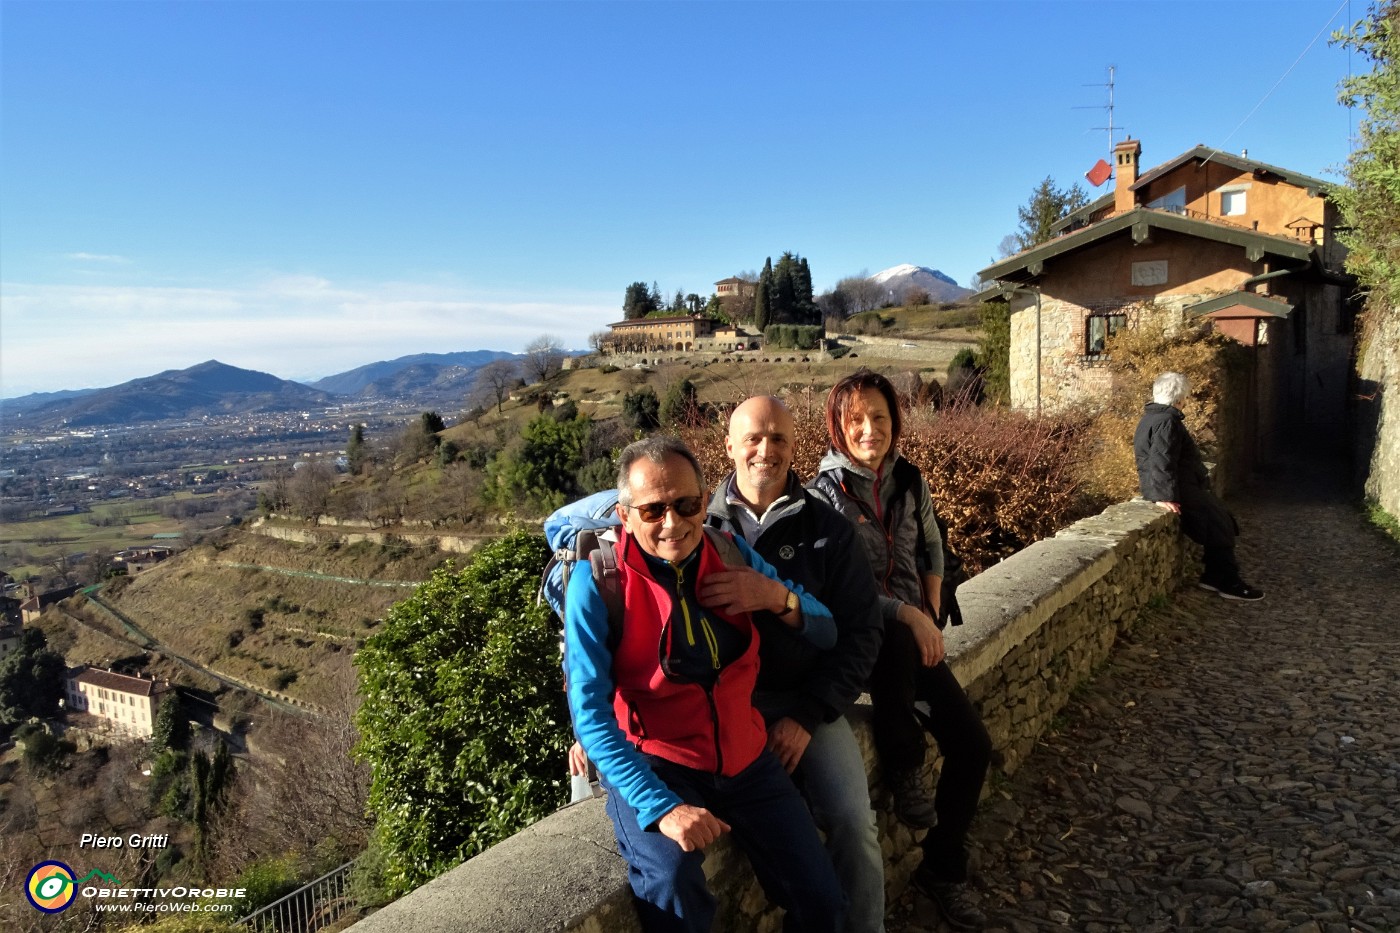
[[664, 708], [803, 692]]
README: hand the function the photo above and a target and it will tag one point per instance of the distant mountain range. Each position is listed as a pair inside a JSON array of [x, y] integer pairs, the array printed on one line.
[[905, 278], [211, 388], [214, 388], [380, 377]]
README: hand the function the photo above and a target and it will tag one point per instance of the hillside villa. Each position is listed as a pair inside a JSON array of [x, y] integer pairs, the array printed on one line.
[[123, 702]]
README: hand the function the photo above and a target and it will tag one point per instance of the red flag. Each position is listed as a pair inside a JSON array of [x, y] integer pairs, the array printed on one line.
[[1100, 173]]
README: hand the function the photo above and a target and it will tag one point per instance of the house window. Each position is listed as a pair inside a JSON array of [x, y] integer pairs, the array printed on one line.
[[1098, 328], [1232, 203], [1174, 201]]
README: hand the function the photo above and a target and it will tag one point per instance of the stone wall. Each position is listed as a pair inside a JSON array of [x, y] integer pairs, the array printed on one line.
[[1036, 625], [328, 530], [1379, 428]]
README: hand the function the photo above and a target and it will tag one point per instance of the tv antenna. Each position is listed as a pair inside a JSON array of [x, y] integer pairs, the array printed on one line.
[[1112, 69]]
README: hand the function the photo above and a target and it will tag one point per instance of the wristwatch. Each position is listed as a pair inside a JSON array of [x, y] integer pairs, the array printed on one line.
[[790, 606]]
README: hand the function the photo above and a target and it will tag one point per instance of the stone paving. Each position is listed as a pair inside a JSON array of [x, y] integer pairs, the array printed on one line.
[[1235, 766]]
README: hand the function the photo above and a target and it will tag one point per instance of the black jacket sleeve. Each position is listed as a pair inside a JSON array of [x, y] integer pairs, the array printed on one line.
[[850, 593]]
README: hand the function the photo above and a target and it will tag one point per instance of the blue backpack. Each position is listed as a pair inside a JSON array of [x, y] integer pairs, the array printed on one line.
[[584, 530]]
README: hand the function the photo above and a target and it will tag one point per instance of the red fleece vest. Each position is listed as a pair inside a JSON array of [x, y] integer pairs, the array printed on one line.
[[718, 730]]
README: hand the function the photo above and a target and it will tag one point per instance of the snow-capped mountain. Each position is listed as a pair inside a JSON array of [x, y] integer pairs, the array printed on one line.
[[900, 279]]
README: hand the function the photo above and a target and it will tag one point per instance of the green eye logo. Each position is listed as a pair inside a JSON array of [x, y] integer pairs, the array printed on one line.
[[50, 887]]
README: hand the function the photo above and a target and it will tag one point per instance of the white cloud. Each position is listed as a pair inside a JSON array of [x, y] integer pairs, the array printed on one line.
[[97, 257], [77, 336]]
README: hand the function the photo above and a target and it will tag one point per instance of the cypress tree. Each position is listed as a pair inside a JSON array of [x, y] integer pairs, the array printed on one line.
[[355, 449], [762, 314]]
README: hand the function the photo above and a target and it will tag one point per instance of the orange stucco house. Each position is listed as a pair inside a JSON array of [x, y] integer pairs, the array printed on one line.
[[1207, 235]]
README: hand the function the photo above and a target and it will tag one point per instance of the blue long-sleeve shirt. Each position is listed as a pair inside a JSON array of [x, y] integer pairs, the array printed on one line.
[[588, 664]]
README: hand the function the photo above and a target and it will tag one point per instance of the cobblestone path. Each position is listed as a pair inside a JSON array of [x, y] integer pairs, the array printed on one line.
[[1235, 766]]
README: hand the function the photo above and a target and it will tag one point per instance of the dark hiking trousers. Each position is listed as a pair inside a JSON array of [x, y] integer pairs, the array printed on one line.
[[897, 683]]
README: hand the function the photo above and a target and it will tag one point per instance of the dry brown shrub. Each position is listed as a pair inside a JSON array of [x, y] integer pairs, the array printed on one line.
[[1000, 479], [1136, 358]]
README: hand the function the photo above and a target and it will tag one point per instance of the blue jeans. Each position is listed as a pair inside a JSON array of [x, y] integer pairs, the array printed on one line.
[[832, 777], [771, 825]]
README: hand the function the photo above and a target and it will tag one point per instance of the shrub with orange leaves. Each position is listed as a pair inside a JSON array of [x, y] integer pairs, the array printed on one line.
[[1000, 479]]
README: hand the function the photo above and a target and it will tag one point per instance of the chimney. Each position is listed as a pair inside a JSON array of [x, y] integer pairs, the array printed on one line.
[[1125, 173]]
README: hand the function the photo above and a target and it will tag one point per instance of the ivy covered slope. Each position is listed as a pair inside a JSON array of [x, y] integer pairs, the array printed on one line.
[[464, 721]]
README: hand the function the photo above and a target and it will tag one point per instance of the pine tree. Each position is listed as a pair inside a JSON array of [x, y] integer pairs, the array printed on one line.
[[1048, 204], [637, 301]]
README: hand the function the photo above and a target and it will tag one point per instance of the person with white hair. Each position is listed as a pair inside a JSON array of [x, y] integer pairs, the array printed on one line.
[[1172, 474]]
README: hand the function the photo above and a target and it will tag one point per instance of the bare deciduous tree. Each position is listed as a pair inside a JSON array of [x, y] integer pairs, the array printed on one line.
[[309, 491], [544, 357], [305, 795], [495, 380]]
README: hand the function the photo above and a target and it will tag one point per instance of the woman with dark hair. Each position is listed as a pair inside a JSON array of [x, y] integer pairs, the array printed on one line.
[[864, 477]]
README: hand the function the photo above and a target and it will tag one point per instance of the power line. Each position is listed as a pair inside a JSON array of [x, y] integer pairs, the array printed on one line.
[[1285, 75]]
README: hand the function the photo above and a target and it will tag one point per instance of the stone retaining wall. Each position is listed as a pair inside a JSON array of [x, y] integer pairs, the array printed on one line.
[[1036, 625], [1379, 404], [316, 535]]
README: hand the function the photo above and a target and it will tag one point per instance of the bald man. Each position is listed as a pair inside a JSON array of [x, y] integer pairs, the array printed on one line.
[[802, 692]]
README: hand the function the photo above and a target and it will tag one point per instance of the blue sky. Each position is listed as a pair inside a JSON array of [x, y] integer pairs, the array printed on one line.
[[302, 188]]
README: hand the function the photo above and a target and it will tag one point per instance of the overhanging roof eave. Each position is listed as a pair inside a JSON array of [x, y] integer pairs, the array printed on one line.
[[1220, 233], [1270, 306]]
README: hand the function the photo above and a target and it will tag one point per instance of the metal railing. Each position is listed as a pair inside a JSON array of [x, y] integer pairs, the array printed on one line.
[[309, 908], [1180, 211]]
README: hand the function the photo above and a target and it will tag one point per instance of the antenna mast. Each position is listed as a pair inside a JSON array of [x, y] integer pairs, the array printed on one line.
[[1112, 130]]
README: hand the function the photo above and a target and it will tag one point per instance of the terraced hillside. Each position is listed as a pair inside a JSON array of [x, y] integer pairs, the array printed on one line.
[[277, 614]]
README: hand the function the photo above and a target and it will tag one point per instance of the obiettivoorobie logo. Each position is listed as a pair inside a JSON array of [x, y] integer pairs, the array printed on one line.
[[52, 888]]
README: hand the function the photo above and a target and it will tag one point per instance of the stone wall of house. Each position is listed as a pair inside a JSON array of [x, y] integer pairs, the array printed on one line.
[[1037, 624], [1067, 376], [1379, 409]]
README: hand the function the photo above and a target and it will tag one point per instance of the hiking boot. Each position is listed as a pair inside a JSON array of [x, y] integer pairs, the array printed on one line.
[[913, 802], [1241, 591], [954, 901]]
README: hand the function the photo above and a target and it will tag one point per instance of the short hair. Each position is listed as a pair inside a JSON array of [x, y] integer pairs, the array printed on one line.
[[1170, 388], [656, 449], [838, 402]]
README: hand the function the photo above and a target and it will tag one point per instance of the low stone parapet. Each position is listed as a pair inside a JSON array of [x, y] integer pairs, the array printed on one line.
[[1036, 625]]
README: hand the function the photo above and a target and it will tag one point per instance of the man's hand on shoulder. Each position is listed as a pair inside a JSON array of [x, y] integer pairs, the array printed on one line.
[[788, 740], [693, 828], [741, 589]]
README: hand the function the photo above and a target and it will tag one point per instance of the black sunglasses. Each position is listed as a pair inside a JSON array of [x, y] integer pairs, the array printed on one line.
[[685, 507]]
